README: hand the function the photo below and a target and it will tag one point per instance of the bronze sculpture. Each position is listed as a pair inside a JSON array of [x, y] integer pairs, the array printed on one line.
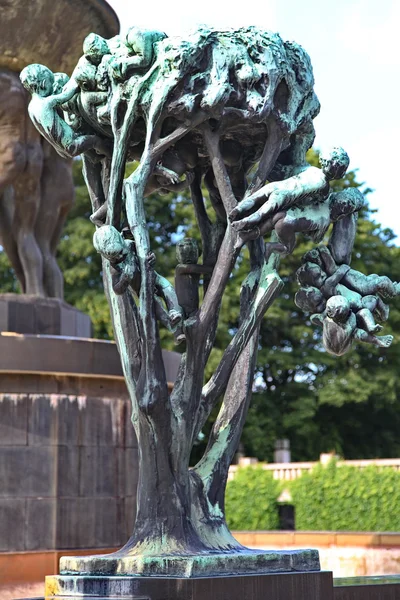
[[234, 109]]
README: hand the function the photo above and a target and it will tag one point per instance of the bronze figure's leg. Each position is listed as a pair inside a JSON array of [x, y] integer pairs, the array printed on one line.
[[27, 203], [57, 197]]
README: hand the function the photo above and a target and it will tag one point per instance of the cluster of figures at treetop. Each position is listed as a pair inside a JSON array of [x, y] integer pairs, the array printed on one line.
[[234, 84]]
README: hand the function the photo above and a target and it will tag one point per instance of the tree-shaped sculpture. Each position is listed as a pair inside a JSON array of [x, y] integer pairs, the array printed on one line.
[[233, 110]]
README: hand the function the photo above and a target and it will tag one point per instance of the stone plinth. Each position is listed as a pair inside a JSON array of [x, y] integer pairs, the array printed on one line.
[[20, 313], [284, 586], [68, 452], [244, 562], [367, 588]]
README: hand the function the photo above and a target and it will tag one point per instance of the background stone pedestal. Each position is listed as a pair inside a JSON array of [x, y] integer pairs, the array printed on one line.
[[20, 313], [68, 452], [282, 586]]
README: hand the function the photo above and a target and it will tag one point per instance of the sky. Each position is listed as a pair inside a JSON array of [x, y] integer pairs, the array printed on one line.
[[354, 49]]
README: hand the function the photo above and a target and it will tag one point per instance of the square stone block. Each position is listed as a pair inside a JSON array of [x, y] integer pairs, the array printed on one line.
[[41, 473], [83, 325], [12, 524], [75, 526], [102, 422], [21, 313], [41, 515], [21, 317], [99, 471], [48, 318], [67, 473], [53, 420], [367, 588], [86, 523], [13, 471], [13, 419], [106, 522]]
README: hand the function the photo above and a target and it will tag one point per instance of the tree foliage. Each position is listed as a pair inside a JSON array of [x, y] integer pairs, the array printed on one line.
[[320, 402]]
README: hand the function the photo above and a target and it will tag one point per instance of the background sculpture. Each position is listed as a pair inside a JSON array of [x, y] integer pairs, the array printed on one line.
[[36, 193], [235, 109], [36, 187]]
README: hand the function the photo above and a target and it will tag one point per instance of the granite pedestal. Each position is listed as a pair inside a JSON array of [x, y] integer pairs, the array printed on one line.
[[367, 588], [20, 313], [282, 586], [68, 452]]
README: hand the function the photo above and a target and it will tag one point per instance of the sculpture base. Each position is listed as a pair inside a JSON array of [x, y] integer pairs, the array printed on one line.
[[245, 562], [20, 313], [283, 586]]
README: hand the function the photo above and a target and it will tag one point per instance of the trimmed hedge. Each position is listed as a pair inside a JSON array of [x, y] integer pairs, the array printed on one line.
[[251, 500], [329, 498]]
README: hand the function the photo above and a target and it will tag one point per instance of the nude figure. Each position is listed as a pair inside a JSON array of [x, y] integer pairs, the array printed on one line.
[[21, 161], [309, 185], [187, 277], [131, 52], [311, 299], [121, 254], [345, 302], [43, 110], [320, 265], [36, 192], [313, 221], [340, 328]]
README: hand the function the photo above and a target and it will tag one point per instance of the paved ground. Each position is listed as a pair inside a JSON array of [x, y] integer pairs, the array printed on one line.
[[33, 590]]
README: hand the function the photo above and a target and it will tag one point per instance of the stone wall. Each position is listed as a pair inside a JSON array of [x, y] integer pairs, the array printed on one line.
[[68, 452], [68, 463]]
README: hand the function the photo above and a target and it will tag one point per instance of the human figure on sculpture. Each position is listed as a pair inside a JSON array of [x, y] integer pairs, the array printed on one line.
[[353, 310], [309, 185], [312, 299], [106, 63], [313, 221], [121, 254], [341, 326], [60, 79], [187, 276], [36, 193], [128, 53], [319, 264], [43, 110]]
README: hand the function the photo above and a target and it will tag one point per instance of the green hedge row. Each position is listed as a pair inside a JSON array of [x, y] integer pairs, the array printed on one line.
[[329, 498]]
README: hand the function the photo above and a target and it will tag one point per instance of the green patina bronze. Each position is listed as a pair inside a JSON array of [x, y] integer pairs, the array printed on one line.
[[228, 110]]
